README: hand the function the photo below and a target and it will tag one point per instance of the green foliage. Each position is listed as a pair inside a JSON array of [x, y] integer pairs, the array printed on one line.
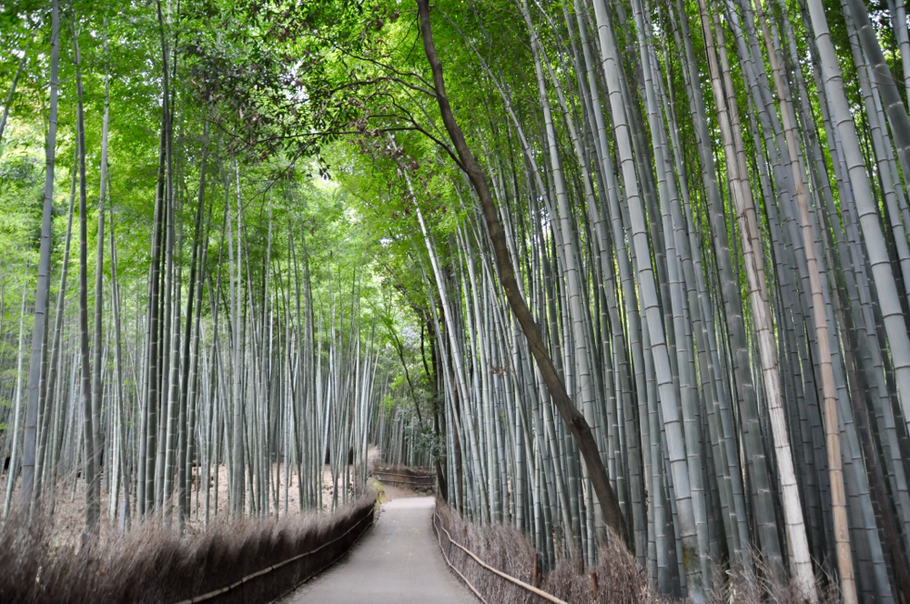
[[21, 178], [270, 72], [21, 200]]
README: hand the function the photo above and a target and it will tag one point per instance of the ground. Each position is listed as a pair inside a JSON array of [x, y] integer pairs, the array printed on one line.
[[69, 512], [397, 560]]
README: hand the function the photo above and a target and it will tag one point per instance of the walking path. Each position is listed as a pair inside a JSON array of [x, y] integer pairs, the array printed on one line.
[[398, 560]]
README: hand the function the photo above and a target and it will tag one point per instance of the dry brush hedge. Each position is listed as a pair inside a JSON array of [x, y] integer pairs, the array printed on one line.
[[616, 579], [153, 564]]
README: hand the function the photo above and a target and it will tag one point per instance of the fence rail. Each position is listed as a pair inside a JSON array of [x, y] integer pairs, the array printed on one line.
[[408, 478], [526, 586], [212, 595]]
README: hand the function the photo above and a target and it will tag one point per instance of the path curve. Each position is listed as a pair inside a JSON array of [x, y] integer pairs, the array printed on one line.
[[398, 561]]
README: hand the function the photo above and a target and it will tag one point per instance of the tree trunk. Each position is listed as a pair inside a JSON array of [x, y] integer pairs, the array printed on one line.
[[575, 421], [92, 483], [43, 285]]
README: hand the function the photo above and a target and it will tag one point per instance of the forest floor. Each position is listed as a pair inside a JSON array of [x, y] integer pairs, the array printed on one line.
[[398, 560], [69, 511]]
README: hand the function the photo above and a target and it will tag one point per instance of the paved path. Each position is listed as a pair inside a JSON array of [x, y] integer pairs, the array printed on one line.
[[397, 561]]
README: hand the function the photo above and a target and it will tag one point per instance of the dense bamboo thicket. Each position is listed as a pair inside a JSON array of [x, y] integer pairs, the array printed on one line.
[[621, 270], [615, 578], [708, 224], [225, 318]]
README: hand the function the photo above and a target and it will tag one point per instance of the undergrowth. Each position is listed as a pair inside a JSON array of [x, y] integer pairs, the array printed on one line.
[[616, 578], [153, 563]]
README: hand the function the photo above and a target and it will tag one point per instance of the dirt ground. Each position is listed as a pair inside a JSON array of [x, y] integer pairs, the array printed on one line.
[[69, 512], [398, 560]]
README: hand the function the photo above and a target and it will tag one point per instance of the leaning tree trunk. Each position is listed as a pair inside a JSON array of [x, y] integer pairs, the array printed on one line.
[[575, 421]]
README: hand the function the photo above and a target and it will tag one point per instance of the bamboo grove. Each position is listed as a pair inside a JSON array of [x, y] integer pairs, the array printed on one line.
[[223, 324], [702, 205]]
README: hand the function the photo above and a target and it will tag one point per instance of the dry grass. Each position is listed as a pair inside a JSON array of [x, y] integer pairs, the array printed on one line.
[[615, 579], [759, 584], [69, 512], [152, 563]]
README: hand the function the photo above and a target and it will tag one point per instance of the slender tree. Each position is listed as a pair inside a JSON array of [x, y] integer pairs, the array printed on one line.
[[30, 440], [580, 429]]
